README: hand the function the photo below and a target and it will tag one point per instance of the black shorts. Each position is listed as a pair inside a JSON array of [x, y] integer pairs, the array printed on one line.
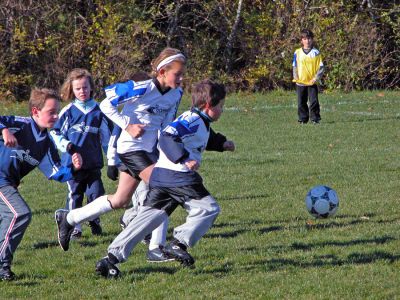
[[136, 161], [168, 198]]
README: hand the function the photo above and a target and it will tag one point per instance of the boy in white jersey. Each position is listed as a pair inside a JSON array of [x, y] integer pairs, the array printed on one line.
[[175, 181], [147, 105], [307, 72]]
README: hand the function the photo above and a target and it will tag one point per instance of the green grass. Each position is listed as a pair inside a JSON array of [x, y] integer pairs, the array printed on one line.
[[264, 245]]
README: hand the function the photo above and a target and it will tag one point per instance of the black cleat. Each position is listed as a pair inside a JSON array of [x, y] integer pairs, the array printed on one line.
[[6, 274], [95, 227], [146, 240], [178, 251], [158, 255], [64, 228], [76, 234], [106, 269]]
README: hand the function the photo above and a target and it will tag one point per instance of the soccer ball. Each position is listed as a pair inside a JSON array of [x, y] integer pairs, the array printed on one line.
[[322, 201]]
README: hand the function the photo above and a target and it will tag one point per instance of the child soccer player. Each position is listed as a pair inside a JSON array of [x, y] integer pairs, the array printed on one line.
[[83, 128], [24, 145], [146, 106], [307, 72], [175, 181]]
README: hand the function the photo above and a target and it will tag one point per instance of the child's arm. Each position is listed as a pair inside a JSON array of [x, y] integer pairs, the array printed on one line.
[[112, 155], [116, 95], [51, 166], [7, 125], [295, 71], [59, 132], [218, 142]]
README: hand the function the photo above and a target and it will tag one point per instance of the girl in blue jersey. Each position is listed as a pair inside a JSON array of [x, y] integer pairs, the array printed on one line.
[[24, 145], [82, 127], [146, 106], [175, 181]]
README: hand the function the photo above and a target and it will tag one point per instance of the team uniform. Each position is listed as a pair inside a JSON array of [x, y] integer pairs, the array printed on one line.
[[173, 184], [145, 103], [83, 128], [307, 66], [34, 149]]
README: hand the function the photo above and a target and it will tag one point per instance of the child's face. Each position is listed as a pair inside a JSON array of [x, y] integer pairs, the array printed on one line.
[[307, 42], [81, 88], [48, 115], [214, 112], [173, 76]]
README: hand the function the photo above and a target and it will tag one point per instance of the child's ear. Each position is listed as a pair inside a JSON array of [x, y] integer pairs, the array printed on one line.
[[35, 111]]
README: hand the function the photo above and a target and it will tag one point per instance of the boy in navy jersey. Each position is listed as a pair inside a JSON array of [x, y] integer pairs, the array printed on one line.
[[174, 181], [83, 128], [24, 145]]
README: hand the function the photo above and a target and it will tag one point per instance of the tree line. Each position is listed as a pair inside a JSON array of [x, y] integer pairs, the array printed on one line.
[[247, 44]]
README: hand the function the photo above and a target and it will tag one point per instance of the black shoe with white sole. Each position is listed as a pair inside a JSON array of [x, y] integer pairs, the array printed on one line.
[[64, 228], [178, 250], [107, 269]]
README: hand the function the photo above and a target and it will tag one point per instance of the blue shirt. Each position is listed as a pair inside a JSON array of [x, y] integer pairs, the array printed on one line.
[[34, 149]]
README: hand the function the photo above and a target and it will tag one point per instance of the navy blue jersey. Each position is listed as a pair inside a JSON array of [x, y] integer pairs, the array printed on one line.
[[87, 128], [35, 149]]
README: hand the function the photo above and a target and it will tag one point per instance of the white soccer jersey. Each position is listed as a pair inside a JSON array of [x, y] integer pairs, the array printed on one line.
[[143, 104], [191, 129]]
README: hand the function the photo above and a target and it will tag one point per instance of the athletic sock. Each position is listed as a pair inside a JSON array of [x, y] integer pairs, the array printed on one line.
[[96, 208], [159, 235]]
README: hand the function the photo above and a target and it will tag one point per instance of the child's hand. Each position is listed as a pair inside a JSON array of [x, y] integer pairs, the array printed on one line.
[[192, 164], [229, 146], [77, 161], [135, 130], [112, 172], [9, 139]]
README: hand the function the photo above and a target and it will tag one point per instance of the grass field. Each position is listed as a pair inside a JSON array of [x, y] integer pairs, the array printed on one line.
[[264, 245]]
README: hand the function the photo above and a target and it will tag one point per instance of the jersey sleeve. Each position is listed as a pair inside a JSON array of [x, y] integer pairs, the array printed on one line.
[[59, 131], [171, 139], [215, 141], [13, 122], [51, 166], [112, 155], [106, 127], [116, 95]]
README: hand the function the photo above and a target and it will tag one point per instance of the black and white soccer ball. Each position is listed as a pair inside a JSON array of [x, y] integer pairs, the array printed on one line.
[[322, 201]]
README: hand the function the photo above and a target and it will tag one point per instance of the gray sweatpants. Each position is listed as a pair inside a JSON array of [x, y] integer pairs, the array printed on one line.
[[15, 216], [201, 216], [158, 235]]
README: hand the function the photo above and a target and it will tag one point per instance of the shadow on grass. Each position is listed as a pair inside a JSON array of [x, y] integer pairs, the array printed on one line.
[[242, 197], [309, 246], [43, 211], [45, 245], [225, 235], [328, 260]]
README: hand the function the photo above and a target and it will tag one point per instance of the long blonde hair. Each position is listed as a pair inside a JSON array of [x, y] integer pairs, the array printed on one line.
[[67, 94]]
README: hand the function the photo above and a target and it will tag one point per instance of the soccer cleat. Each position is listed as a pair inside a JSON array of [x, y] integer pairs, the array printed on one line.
[[146, 240], [95, 227], [6, 274], [107, 269], [178, 251], [76, 234], [315, 122], [64, 228], [158, 255]]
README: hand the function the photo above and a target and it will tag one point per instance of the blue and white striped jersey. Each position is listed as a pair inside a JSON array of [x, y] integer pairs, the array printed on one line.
[[184, 139], [35, 149], [83, 124], [144, 103]]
